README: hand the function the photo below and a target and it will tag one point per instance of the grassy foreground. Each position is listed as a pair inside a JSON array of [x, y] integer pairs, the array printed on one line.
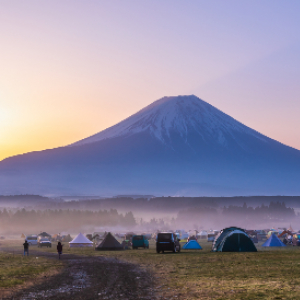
[[17, 271], [268, 274]]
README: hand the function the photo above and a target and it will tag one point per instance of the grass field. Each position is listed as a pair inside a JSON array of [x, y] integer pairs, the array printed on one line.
[[18, 272], [268, 274]]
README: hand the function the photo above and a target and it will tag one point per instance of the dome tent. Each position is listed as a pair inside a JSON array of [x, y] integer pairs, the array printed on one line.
[[273, 241], [192, 245], [80, 241], [233, 239]]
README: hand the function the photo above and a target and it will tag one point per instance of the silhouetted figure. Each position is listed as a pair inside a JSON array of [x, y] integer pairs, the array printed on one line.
[[26, 248], [59, 249]]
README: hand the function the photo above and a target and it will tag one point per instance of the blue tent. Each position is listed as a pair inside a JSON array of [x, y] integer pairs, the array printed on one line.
[[192, 245], [273, 241]]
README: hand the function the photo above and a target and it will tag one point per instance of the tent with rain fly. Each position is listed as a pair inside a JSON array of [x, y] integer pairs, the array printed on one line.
[[273, 241], [109, 243], [233, 239], [192, 245], [80, 241]]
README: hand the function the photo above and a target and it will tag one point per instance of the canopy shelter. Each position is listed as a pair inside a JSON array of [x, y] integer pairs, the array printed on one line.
[[233, 239], [273, 241], [80, 241], [192, 245], [109, 243]]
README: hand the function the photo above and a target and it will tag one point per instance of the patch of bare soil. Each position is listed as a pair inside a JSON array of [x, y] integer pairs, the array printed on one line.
[[91, 278]]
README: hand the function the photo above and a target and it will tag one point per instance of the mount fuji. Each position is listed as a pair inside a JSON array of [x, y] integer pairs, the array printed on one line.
[[175, 146]]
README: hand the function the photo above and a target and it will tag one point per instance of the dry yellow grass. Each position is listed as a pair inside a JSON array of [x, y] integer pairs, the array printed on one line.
[[271, 273]]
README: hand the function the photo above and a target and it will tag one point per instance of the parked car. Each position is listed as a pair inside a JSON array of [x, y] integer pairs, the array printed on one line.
[[211, 237], [147, 235], [32, 239], [140, 241], [167, 241], [129, 236], [44, 242]]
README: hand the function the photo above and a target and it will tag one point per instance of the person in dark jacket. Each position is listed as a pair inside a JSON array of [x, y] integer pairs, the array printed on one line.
[[26, 248], [59, 249]]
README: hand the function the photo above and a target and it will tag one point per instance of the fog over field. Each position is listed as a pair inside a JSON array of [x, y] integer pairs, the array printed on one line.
[[34, 214]]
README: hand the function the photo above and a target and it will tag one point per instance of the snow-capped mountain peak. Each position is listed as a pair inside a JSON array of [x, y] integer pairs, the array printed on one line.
[[181, 115]]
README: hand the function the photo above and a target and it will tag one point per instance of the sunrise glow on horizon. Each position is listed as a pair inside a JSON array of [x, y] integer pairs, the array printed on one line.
[[72, 69]]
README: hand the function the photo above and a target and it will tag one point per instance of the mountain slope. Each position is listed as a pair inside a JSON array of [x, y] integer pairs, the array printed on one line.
[[182, 114], [175, 146]]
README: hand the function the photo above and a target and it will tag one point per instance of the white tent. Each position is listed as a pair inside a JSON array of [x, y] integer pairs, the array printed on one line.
[[80, 241]]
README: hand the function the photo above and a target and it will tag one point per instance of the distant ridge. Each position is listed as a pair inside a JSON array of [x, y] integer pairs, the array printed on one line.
[[177, 146]]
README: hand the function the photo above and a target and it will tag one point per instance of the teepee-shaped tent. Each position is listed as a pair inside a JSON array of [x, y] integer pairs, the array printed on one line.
[[273, 241], [290, 228], [109, 243], [192, 245], [23, 236], [80, 241]]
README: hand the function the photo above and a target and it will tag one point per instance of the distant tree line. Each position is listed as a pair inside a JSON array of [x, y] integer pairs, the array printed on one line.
[[275, 211], [61, 220], [167, 204], [199, 213]]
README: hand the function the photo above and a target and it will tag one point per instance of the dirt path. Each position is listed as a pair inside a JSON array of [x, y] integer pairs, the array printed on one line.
[[91, 278]]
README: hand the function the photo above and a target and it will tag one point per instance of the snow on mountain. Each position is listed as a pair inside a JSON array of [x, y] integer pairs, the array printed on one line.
[[181, 114]]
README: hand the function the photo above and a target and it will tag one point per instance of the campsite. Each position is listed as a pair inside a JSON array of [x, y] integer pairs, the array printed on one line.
[[195, 273], [149, 150], [134, 255]]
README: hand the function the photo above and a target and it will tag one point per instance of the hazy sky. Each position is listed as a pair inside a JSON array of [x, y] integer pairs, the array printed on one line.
[[70, 69]]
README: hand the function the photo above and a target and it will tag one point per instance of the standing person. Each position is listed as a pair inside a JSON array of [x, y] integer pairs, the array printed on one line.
[[59, 249], [26, 247]]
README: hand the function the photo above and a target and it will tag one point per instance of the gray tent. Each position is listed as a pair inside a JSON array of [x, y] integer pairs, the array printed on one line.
[[109, 243], [233, 239]]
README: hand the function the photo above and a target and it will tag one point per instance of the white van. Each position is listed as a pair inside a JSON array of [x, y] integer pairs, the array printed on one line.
[[32, 239]]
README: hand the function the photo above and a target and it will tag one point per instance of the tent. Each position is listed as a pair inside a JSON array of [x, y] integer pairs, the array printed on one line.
[[192, 245], [290, 228], [203, 234], [233, 239], [80, 241], [23, 236], [273, 241], [271, 232], [109, 243]]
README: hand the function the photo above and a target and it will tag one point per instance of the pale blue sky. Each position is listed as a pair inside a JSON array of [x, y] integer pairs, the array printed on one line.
[[72, 68]]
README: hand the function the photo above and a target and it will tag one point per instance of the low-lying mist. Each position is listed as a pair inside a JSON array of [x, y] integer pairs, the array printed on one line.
[[140, 215]]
